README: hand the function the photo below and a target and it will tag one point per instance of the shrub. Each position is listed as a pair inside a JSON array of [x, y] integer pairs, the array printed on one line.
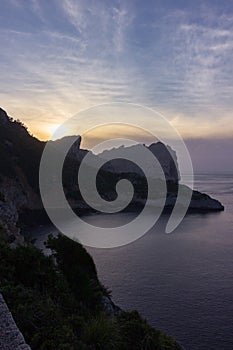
[[57, 302]]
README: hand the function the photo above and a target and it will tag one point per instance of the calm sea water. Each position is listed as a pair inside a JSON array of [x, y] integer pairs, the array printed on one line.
[[182, 283]]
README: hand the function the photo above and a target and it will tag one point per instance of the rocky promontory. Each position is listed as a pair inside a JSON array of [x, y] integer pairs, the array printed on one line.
[[20, 155]]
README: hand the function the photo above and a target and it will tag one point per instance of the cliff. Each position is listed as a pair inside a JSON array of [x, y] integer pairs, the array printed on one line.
[[19, 158], [20, 154]]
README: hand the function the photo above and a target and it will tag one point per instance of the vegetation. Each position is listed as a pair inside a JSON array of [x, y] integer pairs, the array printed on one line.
[[56, 301]]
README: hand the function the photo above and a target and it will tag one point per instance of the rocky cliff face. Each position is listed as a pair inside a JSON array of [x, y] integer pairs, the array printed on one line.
[[15, 196], [10, 336], [20, 155], [9, 229], [19, 159]]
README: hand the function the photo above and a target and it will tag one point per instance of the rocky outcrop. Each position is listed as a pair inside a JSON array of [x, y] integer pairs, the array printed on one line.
[[167, 159], [164, 154], [62, 143], [203, 202], [15, 195], [110, 308], [9, 230], [200, 202], [12, 198], [10, 336]]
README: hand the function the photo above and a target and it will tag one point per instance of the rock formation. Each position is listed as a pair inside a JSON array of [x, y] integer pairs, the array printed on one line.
[[20, 155], [10, 336]]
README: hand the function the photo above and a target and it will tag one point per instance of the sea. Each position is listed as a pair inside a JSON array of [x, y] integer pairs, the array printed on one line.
[[182, 282]]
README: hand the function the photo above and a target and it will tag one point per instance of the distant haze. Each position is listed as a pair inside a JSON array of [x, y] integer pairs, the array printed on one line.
[[208, 155], [211, 155]]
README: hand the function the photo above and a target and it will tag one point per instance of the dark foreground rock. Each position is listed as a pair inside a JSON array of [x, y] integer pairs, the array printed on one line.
[[10, 336]]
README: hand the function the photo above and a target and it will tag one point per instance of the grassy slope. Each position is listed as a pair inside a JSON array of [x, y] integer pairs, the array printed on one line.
[[59, 306]]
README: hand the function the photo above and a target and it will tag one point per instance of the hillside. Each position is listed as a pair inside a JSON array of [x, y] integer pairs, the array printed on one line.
[[64, 306]]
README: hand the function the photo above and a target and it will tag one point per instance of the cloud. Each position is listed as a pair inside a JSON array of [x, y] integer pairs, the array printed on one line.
[[37, 9], [79, 53], [75, 14], [122, 18], [203, 51]]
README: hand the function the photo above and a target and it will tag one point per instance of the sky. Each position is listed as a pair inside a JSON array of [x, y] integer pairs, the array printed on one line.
[[175, 56]]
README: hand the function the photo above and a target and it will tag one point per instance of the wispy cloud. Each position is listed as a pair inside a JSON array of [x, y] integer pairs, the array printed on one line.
[[60, 57], [76, 14]]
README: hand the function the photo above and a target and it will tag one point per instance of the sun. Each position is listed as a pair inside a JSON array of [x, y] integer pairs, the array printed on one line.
[[56, 131]]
